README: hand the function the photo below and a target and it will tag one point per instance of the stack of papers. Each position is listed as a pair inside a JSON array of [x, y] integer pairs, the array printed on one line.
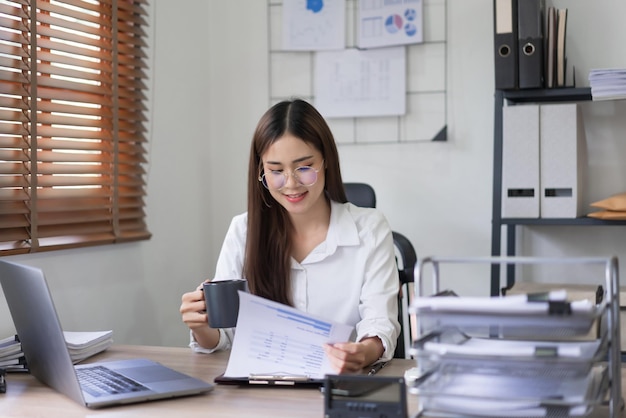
[[86, 344], [11, 356], [608, 84], [81, 345]]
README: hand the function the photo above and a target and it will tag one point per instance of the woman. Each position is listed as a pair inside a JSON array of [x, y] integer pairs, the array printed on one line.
[[302, 245]]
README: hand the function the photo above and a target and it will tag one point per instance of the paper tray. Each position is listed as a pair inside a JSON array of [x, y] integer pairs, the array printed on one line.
[[454, 352], [508, 396], [504, 318]]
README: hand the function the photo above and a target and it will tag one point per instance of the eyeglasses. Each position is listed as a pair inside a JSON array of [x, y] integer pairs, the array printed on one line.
[[276, 179]]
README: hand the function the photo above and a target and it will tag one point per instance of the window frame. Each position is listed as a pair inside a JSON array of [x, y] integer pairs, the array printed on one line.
[[72, 123]]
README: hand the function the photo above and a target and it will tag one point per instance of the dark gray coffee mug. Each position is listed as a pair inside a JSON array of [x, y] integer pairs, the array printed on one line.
[[222, 301]]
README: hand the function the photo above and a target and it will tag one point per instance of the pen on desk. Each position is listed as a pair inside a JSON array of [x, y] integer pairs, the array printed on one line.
[[376, 368]]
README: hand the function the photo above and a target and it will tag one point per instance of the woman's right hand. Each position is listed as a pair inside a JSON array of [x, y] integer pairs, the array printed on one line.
[[193, 311]]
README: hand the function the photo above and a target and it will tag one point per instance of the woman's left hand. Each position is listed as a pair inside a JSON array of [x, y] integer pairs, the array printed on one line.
[[353, 357]]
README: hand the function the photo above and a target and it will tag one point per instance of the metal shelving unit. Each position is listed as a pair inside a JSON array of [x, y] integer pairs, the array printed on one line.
[[511, 98]]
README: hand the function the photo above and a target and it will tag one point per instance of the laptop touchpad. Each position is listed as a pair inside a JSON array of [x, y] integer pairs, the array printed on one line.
[[148, 374]]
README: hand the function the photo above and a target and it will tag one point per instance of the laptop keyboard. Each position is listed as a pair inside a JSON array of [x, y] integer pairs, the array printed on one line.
[[99, 381]]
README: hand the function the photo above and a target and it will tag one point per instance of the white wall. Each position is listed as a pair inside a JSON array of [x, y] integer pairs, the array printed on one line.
[[208, 90]]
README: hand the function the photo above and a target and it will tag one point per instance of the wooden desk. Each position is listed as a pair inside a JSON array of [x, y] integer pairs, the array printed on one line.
[[26, 397]]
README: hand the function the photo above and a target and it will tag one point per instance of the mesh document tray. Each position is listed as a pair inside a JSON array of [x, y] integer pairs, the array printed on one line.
[[507, 317], [451, 351], [454, 383], [475, 395]]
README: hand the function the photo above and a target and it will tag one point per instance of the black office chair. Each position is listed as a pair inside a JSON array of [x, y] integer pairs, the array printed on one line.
[[362, 194]]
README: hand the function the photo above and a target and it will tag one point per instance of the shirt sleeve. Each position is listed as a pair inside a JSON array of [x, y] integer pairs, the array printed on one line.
[[225, 342], [381, 286], [229, 266], [230, 260]]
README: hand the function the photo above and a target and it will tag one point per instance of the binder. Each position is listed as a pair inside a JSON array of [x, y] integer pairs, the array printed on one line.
[[520, 161], [562, 161], [505, 44], [550, 53], [530, 43], [561, 58]]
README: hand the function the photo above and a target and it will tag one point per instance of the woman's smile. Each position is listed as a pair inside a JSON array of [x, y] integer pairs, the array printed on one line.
[[295, 198]]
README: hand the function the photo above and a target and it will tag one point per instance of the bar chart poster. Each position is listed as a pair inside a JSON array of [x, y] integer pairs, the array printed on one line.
[[386, 23], [313, 25]]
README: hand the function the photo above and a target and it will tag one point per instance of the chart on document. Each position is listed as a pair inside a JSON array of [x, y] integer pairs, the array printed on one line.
[[272, 338]]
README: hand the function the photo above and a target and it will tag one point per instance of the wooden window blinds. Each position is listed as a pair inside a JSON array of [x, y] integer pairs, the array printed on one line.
[[72, 123]]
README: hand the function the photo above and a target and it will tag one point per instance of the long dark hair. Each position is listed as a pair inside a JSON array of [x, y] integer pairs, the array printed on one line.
[[267, 262]]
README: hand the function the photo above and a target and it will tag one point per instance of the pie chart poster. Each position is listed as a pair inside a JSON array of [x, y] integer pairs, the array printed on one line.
[[390, 23]]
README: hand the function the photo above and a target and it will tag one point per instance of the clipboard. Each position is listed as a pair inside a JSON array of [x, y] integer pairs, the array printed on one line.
[[289, 380], [272, 379]]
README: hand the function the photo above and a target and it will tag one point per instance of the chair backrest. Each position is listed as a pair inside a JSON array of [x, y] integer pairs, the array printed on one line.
[[408, 257], [362, 194]]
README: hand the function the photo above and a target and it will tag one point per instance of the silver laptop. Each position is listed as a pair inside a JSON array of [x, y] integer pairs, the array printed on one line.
[[48, 357]]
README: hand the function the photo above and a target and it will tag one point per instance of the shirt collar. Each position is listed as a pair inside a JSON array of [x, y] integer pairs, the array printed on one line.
[[342, 229]]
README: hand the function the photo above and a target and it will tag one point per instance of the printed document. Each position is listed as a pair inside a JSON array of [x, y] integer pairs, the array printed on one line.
[[273, 338], [355, 83]]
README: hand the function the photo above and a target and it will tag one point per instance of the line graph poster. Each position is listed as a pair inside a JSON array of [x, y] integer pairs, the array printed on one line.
[[361, 83], [313, 25], [390, 22]]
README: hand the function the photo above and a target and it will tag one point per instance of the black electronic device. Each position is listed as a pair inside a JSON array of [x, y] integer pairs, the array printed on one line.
[[360, 396], [3, 382]]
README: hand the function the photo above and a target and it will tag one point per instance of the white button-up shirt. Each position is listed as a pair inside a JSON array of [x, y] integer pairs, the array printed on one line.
[[351, 277]]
